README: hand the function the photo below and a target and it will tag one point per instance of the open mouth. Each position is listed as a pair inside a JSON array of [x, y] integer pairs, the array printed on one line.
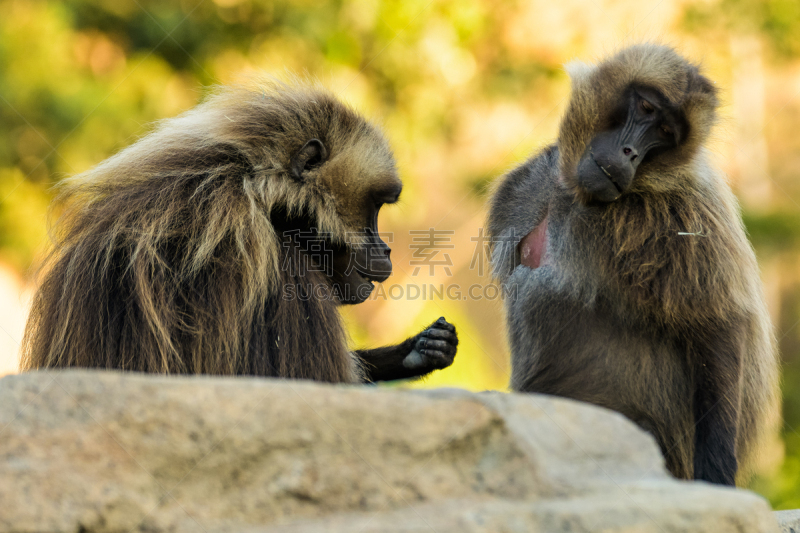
[[365, 277], [372, 277]]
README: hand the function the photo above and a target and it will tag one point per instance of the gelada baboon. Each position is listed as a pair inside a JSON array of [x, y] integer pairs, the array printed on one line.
[[224, 242], [631, 283]]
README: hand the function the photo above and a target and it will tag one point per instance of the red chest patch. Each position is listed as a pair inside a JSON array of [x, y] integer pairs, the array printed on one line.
[[532, 247]]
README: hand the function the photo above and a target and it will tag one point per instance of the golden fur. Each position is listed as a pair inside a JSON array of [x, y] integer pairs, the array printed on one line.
[[167, 258]]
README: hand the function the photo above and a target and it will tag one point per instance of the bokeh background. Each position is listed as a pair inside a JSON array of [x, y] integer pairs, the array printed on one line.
[[465, 89]]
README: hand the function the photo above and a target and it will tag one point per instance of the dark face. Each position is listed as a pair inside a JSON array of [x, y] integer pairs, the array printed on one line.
[[354, 269], [642, 126]]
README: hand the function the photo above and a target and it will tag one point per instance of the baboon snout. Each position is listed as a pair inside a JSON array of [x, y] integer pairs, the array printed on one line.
[[379, 265], [380, 268], [605, 178], [630, 153]]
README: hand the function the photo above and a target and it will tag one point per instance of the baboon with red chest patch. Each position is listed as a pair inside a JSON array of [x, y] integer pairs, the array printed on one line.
[[633, 284]]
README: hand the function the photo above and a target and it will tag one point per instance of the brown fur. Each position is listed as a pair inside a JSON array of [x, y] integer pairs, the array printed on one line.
[[627, 313], [167, 258]]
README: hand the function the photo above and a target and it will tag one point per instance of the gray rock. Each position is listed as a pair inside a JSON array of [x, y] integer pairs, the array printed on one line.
[[106, 451], [789, 521]]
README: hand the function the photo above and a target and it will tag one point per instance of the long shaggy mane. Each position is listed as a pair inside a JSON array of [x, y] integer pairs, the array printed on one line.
[[166, 258]]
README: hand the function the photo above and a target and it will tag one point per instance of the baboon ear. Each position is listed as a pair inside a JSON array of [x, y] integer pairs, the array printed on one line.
[[310, 156], [703, 84]]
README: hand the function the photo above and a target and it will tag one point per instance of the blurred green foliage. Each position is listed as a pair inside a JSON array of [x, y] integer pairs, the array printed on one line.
[[464, 89], [774, 231], [778, 20]]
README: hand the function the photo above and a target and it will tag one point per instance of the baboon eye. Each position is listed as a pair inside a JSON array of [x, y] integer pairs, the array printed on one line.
[[666, 130], [646, 106]]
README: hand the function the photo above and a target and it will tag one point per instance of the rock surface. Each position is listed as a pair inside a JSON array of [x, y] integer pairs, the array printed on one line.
[[103, 451], [789, 520]]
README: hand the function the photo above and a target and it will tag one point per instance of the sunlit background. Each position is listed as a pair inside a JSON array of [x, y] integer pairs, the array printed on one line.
[[464, 89]]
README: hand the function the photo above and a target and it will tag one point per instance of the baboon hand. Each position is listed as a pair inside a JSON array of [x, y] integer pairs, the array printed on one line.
[[434, 348]]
